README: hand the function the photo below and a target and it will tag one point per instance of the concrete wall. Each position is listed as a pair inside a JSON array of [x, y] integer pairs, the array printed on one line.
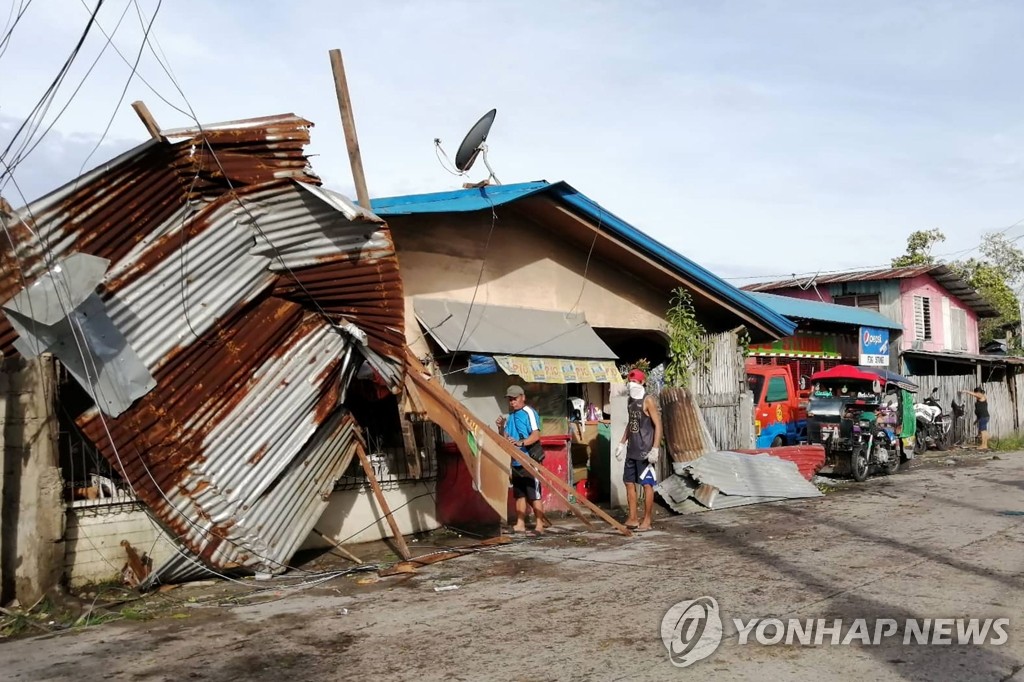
[[353, 516], [94, 535], [440, 257], [32, 512]]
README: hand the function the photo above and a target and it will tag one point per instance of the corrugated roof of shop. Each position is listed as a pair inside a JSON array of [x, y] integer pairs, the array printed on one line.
[[802, 309], [488, 197], [504, 330], [943, 274], [245, 289]]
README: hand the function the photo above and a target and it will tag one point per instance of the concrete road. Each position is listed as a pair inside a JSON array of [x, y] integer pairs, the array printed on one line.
[[935, 542]]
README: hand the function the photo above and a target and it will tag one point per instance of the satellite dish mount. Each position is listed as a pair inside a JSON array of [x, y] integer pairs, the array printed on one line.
[[475, 144]]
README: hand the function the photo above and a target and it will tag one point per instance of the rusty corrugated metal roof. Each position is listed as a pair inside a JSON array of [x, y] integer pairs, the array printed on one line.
[[248, 292], [943, 274]]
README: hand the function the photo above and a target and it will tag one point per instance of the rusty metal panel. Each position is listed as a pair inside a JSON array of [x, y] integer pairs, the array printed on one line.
[[686, 433], [252, 297]]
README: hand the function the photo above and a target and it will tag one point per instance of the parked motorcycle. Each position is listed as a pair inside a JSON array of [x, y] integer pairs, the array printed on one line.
[[872, 447], [934, 427]]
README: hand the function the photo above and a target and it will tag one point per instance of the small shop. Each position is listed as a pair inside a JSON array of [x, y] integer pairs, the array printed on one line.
[[567, 382]]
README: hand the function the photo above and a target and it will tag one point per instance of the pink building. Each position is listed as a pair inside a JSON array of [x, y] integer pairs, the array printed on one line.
[[937, 309]]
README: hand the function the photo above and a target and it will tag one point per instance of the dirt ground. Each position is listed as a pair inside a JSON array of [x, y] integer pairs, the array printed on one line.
[[941, 539]]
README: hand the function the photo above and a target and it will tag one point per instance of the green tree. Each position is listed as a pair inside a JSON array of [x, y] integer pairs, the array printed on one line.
[[919, 248], [996, 274]]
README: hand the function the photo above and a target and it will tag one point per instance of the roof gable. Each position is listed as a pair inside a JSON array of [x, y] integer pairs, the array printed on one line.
[[489, 197]]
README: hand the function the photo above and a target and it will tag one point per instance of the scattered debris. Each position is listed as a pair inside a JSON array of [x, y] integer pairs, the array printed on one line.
[[446, 588]]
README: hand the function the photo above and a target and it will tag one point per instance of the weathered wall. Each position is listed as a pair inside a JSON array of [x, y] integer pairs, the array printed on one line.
[[32, 514], [354, 516], [94, 535], [941, 305], [441, 257]]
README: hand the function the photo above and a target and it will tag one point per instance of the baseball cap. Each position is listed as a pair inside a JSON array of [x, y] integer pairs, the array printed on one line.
[[636, 376], [514, 392]]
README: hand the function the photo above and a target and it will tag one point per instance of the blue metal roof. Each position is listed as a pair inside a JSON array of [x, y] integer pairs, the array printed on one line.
[[799, 308], [490, 196]]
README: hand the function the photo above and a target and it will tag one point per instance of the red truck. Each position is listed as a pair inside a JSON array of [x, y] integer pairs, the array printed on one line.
[[780, 405]]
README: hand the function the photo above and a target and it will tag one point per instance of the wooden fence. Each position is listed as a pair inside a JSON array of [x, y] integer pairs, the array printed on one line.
[[1005, 406], [720, 386]]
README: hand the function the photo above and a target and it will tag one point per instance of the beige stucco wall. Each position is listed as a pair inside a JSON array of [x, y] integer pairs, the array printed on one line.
[[353, 516], [440, 257], [94, 536]]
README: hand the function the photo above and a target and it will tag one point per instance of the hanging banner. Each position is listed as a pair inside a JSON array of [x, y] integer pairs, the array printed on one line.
[[818, 346], [560, 370], [874, 347]]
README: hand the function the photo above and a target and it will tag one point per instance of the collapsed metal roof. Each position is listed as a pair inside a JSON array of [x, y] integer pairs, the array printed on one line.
[[249, 295]]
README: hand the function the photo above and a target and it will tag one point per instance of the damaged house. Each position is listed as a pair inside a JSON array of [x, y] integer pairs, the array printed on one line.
[[210, 306]]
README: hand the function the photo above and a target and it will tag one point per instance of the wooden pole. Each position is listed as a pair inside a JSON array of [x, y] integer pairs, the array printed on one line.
[[348, 122], [147, 119], [403, 549]]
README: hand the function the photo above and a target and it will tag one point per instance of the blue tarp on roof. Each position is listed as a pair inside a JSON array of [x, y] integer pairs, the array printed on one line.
[[802, 309], [488, 197]]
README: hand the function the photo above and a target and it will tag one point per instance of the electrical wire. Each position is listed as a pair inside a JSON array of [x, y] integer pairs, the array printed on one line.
[[42, 106], [586, 266]]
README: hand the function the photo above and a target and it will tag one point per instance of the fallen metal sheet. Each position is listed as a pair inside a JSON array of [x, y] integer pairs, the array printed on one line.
[[251, 297], [686, 431], [93, 350], [734, 473], [684, 496], [808, 458]]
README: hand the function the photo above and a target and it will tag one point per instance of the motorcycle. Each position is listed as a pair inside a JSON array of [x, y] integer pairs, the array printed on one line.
[[933, 425], [872, 446]]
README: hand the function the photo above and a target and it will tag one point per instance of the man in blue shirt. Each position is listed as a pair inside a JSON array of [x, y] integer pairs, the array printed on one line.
[[522, 429]]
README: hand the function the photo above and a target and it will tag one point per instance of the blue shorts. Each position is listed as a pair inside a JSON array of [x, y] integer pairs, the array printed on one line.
[[633, 470], [983, 423]]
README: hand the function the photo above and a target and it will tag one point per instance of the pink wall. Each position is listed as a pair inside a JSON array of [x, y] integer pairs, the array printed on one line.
[[925, 285]]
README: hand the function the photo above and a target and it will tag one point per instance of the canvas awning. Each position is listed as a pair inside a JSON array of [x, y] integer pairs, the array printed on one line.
[[507, 331]]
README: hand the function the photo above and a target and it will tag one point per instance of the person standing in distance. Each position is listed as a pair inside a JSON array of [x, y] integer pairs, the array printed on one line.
[[639, 445], [980, 414]]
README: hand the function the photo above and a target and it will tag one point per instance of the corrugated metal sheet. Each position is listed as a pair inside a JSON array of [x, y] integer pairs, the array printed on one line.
[[686, 432], [719, 480], [943, 274], [808, 458], [250, 305], [504, 330], [801, 309], [734, 473]]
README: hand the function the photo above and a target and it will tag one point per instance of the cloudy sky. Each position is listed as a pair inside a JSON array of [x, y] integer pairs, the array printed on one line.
[[758, 138]]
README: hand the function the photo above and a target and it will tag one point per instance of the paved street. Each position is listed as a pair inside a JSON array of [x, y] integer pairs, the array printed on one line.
[[935, 542]]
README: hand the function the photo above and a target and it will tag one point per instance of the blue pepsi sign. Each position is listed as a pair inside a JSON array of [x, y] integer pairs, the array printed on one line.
[[874, 347]]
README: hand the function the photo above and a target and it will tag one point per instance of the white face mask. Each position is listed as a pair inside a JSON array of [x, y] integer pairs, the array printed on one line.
[[636, 391]]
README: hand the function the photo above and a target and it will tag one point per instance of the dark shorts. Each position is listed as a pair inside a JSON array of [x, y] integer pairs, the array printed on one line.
[[524, 485], [983, 423], [633, 469]]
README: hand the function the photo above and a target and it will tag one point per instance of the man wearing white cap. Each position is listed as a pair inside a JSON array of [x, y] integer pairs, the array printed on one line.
[[639, 445]]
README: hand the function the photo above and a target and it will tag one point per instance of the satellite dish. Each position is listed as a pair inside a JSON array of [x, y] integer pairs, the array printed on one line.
[[474, 141]]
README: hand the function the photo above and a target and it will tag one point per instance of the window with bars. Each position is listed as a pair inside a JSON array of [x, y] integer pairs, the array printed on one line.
[[868, 301], [958, 334], [922, 318]]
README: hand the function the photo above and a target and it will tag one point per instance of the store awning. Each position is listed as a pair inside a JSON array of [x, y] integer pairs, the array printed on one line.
[[507, 331]]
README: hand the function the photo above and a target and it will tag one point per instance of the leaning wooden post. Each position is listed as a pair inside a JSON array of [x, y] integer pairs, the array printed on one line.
[[348, 122], [403, 549]]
